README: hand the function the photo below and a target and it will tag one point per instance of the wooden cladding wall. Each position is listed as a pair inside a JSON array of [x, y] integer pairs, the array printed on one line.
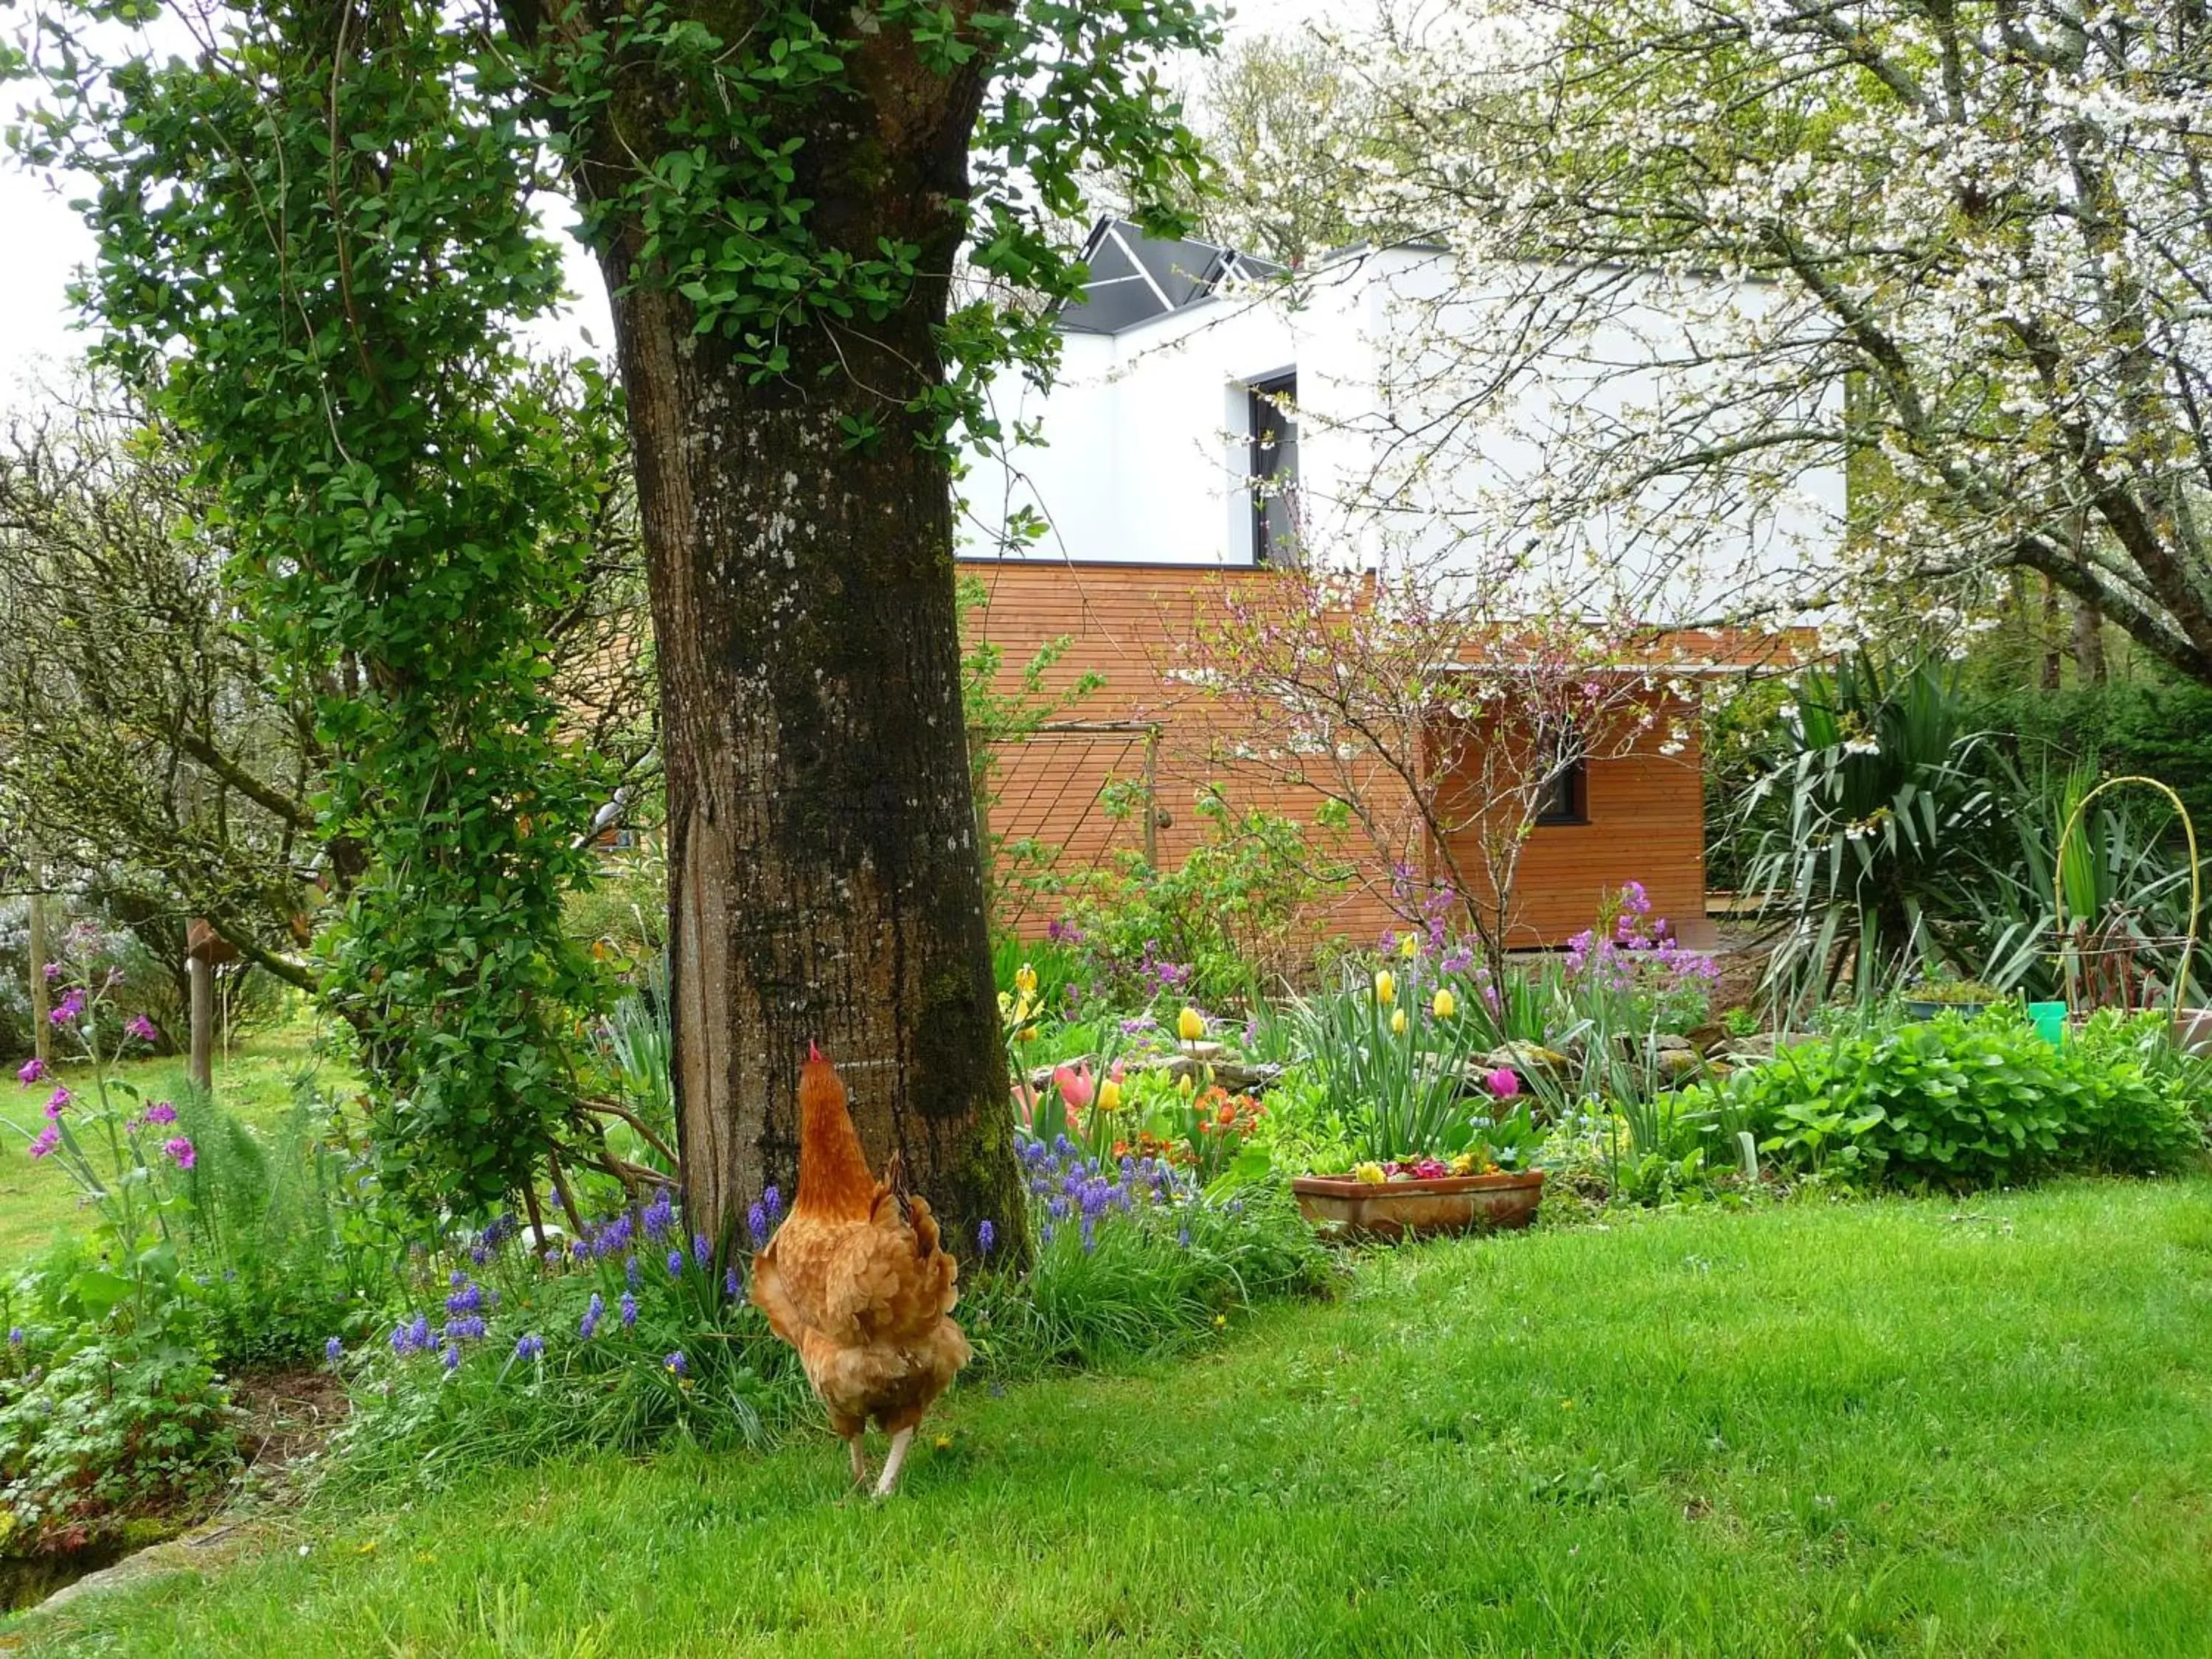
[[1645, 810]]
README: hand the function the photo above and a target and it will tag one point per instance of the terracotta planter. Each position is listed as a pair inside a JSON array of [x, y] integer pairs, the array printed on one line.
[[1400, 1209]]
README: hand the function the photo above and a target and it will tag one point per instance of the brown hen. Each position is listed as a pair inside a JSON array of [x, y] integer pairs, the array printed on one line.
[[856, 1280]]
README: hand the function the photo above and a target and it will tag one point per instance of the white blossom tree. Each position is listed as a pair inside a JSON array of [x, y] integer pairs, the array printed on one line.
[[1963, 250]]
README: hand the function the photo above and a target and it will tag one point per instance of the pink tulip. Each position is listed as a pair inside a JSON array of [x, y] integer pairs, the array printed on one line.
[[1503, 1083], [1075, 1086]]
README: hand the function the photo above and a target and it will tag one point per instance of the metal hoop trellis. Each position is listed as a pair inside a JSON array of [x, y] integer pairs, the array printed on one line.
[[2058, 884]]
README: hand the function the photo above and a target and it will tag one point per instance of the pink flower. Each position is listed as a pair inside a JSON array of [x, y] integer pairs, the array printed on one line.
[[1075, 1086], [160, 1112], [49, 1138], [181, 1150], [56, 1103], [34, 1069], [1503, 1083], [142, 1029], [67, 1008], [53, 972]]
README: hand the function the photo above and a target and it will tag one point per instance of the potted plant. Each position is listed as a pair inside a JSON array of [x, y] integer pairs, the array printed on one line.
[[1438, 1159], [1965, 997]]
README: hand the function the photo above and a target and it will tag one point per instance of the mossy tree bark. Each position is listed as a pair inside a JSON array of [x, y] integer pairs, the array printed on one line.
[[825, 872]]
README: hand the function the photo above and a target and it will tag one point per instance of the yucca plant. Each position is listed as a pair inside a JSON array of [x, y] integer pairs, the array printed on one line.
[[1882, 801]]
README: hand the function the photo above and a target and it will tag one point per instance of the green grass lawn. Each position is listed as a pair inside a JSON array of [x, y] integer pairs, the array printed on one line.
[[1978, 1427], [37, 1201]]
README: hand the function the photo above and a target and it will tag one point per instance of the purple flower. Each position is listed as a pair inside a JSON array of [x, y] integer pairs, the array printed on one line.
[[660, 1216], [700, 1251], [480, 1254], [675, 1263], [141, 1028], [578, 1250], [334, 1350], [452, 1360], [160, 1112], [629, 1311], [773, 1201], [986, 1237], [1182, 1237], [49, 1138], [403, 1339], [53, 972], [67, 1008], [756, 1223], [15, 1336], [466, 1300], [34, 1069], [56, 1103], [468, 1328], [181, 1151], [592, 1315], [730, 1283], [676, 1363], [632, 1273], [529, 1347], [1089, 1233]]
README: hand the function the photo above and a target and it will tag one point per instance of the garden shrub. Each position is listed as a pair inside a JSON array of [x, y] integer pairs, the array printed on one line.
[[1959, 1103]]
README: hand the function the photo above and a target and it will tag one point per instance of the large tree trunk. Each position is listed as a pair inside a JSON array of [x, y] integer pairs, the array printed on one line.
[[826, 870]]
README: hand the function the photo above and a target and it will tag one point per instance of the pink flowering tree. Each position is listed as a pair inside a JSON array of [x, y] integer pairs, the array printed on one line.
[[1434, 732], [128, 1157]]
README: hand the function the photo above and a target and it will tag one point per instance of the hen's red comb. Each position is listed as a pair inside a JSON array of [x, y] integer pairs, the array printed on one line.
[[812, 1052]]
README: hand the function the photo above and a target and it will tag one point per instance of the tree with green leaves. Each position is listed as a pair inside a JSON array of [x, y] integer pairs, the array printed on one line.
[[317, 238]]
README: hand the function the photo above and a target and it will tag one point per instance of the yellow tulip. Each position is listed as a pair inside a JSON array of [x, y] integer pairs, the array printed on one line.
[[1110, 1095], [1184, 1087], [1025, 980], [1398, 1023], [1190, 1025], [1445, 1005], [1027, 1034], [1386, 988], [1410, 946]]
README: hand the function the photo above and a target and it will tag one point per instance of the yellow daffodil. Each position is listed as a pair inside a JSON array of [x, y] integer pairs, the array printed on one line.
[[1190, 1025], [1410, 946], [1027, 1034], [1398, 1023], [1025, 980], [1110, 1095], [1369, 1174], [1444, 1004], [1386, 988]]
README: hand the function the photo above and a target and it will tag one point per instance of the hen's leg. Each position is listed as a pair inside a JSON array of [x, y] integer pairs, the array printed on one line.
[[888, 1482], [858, 1441]]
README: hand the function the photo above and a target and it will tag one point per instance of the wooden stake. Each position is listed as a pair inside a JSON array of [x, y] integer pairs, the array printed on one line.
[[42, 1030], [202, 973]]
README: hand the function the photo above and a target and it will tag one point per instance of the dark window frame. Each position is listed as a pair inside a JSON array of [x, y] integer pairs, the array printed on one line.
[[1566, 795], [1271, 419]]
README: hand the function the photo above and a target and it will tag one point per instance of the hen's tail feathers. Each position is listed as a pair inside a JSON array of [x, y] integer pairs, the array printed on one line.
[[914, 1209]]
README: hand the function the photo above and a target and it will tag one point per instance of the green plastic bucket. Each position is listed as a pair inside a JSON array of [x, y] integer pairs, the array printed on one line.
[[2050, 1019]]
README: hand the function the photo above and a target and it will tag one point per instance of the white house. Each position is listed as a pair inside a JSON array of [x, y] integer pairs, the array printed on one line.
[[1209, 412]]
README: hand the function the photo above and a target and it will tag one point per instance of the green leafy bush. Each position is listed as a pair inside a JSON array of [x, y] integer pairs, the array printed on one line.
[[1959, 1104]]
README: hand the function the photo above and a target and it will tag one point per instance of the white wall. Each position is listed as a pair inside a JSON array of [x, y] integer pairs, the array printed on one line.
[[1427, 433]]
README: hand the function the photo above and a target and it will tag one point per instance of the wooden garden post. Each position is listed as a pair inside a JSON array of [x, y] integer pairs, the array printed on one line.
[[42, 1029], [204, 949]]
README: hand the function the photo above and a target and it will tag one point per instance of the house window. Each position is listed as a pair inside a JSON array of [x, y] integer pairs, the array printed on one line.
[[1565, 796], [1275, 470]]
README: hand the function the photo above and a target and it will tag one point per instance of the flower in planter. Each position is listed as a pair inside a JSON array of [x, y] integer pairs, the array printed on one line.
[[1386, 988], [1369, 1174], [1443, 1005], [1503, 1083]]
